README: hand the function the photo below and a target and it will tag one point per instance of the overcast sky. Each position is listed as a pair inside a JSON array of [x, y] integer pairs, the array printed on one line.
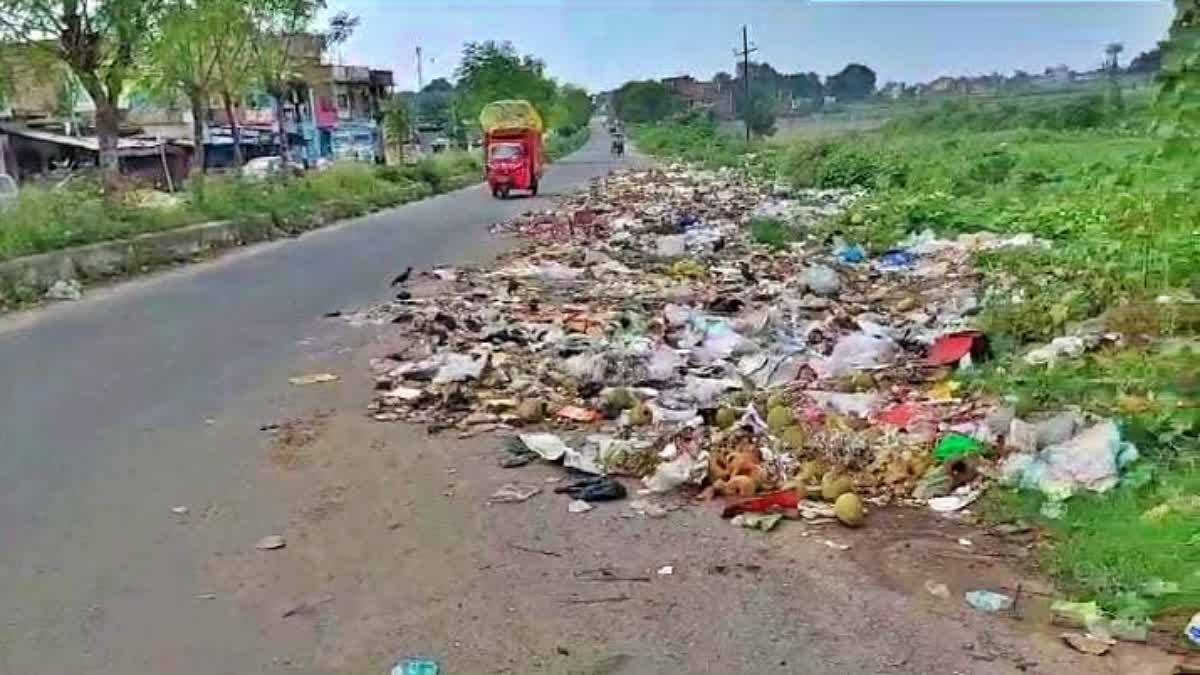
[[602, 44]]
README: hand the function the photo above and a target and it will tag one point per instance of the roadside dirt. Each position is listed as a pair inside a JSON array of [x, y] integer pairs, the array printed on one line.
[[393, 552]]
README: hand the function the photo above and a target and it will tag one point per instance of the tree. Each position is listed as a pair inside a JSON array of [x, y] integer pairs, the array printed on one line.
[[491, 71], [434, 105], [576, 106], [1112, 53], [855, 83], [805, 85], [181, 61], [1148, 61], [233, 80], [341, 26], [397, 123], [760, 116], [100, 41], [276, 26], [1177, 105], [648, 101]]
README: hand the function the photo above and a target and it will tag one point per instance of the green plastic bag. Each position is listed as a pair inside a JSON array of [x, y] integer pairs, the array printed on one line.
[[953, 446]]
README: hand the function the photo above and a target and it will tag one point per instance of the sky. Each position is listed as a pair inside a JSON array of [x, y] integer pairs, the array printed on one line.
[[601, 44]]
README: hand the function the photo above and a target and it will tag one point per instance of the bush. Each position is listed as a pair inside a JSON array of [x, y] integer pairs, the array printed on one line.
[[771, 231]]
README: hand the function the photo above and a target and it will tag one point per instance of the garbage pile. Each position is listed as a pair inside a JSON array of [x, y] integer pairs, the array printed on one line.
[[637, 330]]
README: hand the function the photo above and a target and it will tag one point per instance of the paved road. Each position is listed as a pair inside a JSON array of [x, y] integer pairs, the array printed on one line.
[[116, 408]]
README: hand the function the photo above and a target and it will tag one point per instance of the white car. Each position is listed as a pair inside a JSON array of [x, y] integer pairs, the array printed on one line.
[[8, 191]]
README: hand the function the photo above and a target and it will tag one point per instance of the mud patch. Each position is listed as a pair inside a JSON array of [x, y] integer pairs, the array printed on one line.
[[292, 439], [328, 501]]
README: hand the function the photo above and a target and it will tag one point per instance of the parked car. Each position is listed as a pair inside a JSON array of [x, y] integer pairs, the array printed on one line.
[[8, 191]]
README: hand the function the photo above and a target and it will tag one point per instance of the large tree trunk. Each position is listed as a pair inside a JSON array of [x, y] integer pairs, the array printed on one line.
[[277, 104], [107, 133], [235, 128], [199, 121]]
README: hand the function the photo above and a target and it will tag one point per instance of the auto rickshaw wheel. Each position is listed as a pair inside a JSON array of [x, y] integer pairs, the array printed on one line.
[[533, 188], [504, 192]]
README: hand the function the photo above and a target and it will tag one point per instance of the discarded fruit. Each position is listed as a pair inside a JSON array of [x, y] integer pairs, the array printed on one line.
[[779, 418], [834, 485], [726, 417], [849, 510]]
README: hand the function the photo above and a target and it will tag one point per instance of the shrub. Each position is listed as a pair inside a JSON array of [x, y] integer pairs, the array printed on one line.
[[771, 231]]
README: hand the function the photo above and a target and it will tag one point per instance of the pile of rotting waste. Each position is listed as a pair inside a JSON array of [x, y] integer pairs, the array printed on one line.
[[636, 330]]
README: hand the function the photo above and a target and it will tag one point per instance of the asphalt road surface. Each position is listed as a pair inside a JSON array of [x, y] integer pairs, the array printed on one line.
[[136, 477], [107, 409]]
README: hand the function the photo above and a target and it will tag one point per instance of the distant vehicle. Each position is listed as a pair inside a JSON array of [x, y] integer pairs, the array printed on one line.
[[8, 191], [512, 147], [618, 145]]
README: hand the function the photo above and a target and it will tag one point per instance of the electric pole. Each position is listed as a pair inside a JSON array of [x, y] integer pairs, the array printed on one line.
[[745, 53], [420, 71]]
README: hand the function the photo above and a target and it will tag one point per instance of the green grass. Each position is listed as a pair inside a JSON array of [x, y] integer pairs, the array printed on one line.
[[1103, 549], [1087, 176], [771, 231], [46, 220], [560, 145]]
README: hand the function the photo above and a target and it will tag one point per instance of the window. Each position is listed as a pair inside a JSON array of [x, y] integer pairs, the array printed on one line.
[[506, 151]]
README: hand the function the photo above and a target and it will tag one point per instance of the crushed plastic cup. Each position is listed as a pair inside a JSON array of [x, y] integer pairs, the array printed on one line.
[[987, 601]]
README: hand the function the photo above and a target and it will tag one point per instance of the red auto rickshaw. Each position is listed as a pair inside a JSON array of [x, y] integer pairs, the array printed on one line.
[[512, 147]]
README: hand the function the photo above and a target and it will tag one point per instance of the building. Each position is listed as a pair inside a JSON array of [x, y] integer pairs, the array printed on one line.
[[702, 95], [330, 111]]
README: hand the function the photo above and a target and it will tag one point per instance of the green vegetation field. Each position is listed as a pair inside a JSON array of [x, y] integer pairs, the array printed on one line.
[[1123, 218]]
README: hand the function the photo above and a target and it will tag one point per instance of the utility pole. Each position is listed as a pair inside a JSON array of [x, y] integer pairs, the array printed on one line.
[[745, 53], [420, 71]]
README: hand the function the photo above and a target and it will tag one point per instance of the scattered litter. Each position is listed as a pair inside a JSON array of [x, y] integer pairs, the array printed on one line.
[[305, 606], [1092, 460], [987, 601], [666, 570], [955, 502], [270, 542], [952, 348], [1088, 644], [594, 489], [512, 493], [179, 510], [757, 521], [417, 667], [954, 446], [579, 506], [836, 546], [1059, 348], [315, 378], [1192, 632], [647, 508], [65, 289], [937, 590], [963, 541]]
